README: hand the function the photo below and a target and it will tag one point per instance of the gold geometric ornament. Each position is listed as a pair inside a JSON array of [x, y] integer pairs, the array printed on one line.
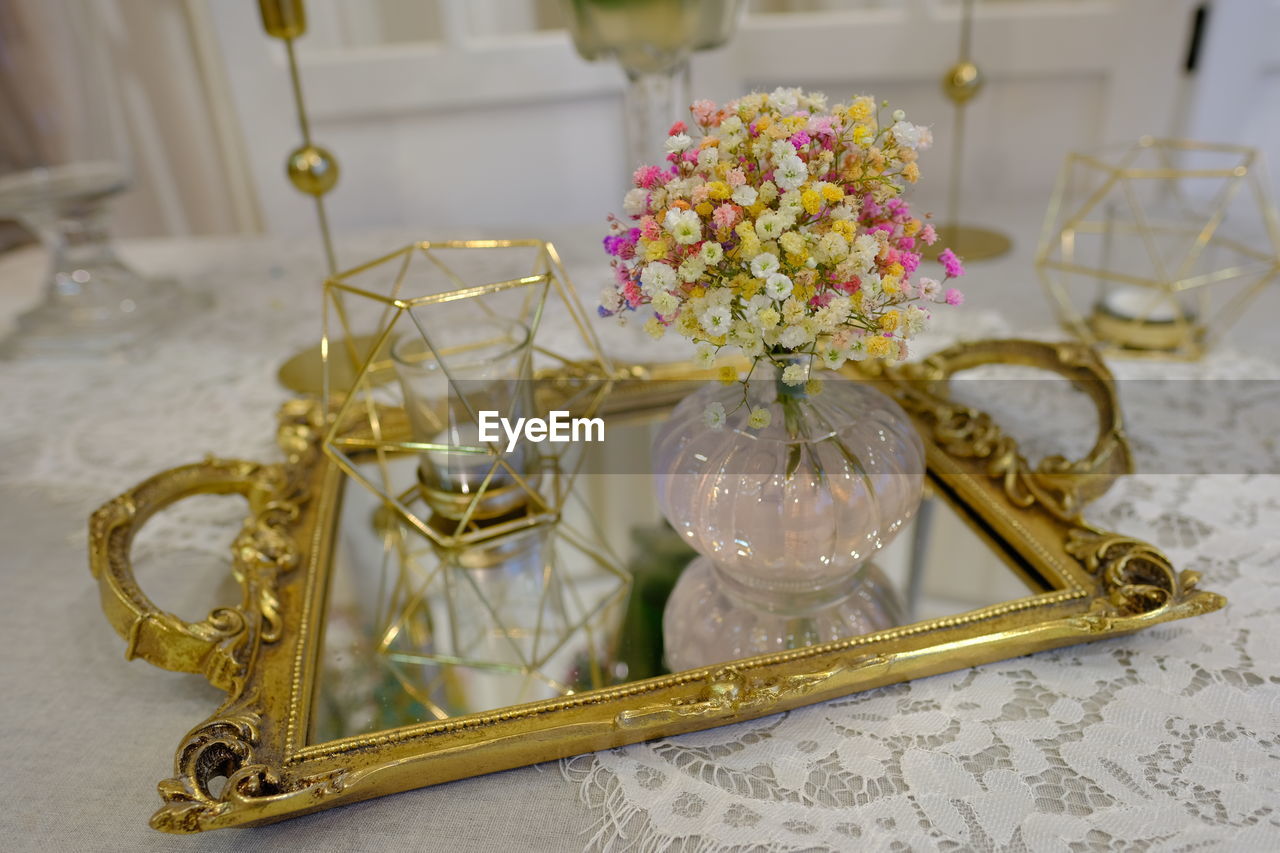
[[458, 328], [1157, 249]]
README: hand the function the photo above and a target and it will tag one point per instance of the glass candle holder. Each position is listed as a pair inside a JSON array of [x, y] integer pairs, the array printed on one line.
[[448, 380]]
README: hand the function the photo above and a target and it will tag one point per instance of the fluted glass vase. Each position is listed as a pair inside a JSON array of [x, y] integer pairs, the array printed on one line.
[[785, 517]]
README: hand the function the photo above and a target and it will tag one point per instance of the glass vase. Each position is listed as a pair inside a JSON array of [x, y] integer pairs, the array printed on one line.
[[63, 158], [784, 518]]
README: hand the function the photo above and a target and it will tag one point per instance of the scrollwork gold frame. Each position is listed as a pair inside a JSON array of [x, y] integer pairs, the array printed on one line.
[[265, 652]]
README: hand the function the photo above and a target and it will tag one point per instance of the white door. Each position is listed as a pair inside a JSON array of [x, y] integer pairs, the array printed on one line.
[[480, 114]]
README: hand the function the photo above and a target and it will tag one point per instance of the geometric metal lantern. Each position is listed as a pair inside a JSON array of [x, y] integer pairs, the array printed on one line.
[[492, 593], [1155, 250], [457, 328]]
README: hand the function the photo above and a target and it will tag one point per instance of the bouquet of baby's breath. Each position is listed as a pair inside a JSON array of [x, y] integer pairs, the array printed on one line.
[[777, 227]]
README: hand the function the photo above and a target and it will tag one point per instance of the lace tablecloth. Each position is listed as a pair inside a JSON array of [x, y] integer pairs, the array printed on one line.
[[1168, 740]]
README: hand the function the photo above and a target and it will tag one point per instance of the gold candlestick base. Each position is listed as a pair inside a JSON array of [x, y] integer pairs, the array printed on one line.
[[969, 242], [303, 372]]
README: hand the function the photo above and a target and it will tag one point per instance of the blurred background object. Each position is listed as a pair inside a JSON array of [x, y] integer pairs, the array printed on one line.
[[652, 40], [434, 104], [64, 155]]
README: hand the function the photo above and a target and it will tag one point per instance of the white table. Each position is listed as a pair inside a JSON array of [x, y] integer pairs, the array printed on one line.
[[1172, 736]]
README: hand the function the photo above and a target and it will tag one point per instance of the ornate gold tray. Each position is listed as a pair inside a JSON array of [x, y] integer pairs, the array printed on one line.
[[258, 757]]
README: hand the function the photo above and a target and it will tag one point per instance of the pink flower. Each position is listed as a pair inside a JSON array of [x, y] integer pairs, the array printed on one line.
[[647, 177], [699, 194], [951, 263], [910, 260], [800, 140], [955, 297], [704, 113], [736, 178], [678, 127], [725, 216], [649, 228], [929, 235], [631, 292]]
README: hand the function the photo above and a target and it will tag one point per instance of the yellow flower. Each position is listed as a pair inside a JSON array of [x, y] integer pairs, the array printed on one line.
[[844, 228], [890, 285], [727, 374], [719, 190], [832, 193], [812, 201], [912, 228], [777, 131], [861, 108], [768, 318], [765, 122], [879, 347], [896, 270], [687, 324], [911, 173], [806, 292], [861, 134], [750, 286], [654, 329], [792, 242], [655, 250], [697, 292], [756, 209], [704, 209], [889, 321], [795, 123]]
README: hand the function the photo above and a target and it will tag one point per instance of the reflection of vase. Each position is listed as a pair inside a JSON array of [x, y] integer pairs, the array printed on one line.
[[784, 517], [470, 365], [652, 41]]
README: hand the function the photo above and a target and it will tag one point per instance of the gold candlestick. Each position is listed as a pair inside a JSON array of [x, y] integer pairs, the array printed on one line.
[[961, 84], [313, 170]]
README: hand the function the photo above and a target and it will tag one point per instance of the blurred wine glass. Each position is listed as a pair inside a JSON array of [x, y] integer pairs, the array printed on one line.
[[64, 156], [652, 41]]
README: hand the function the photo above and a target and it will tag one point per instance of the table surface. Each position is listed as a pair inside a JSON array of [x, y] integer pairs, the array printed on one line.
[[1171, 737]]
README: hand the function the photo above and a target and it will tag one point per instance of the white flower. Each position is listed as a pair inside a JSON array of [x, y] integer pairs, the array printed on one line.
[[871, 285], [753, 306], [780, 149], [678, 142], [832, 359], [930, 289], [633, 201], [833, 247], [913, 320], [610, 299], [795, 336], [768, 192], [815, 101], [768, 318], [708, 157], [899, 115], [656, 277], [684, 225], [704, 354], [711, 253], [908, 135], [759, 418], [777, 286], [842, 211], [745, 195], [665, 303], [692, 269], [763, 265], [785, 101], [791, 172], [770, 225], [714, 416], [752, 347], [790, 203], [795, 374], [716, 320]]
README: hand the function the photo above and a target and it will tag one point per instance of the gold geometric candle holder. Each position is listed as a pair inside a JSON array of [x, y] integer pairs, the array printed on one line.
[[459, 328], [1157, 250]]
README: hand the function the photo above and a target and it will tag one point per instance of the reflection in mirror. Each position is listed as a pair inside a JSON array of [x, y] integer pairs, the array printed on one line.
[[413, 635]]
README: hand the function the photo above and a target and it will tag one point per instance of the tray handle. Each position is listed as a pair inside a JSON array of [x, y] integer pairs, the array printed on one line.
[[218, 646]]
